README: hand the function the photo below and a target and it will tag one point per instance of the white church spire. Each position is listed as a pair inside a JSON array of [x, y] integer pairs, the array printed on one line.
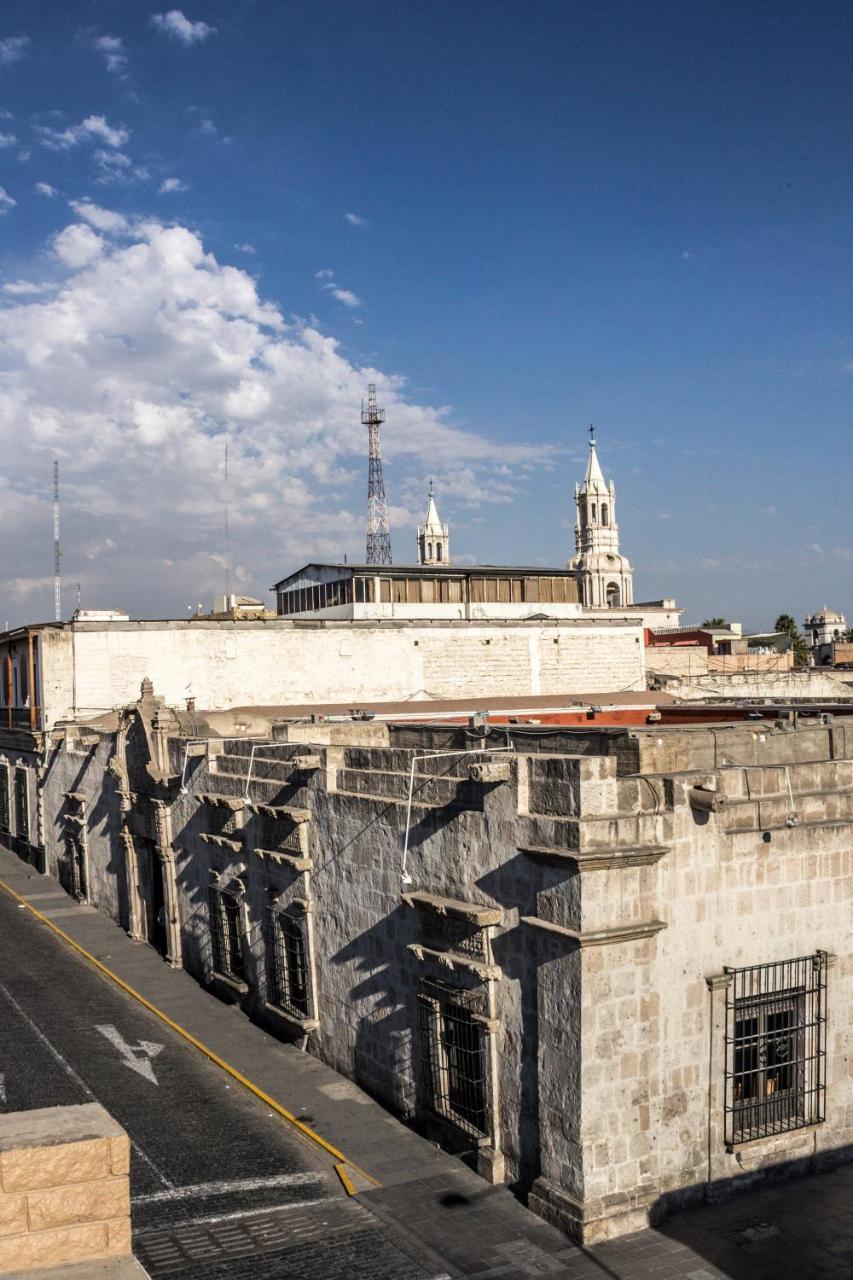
[[594, 478], [605, 577], [433, 536]]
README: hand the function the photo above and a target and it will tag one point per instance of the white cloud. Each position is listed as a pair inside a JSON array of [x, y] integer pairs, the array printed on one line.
[[115, 167], [169, 185], [207, 128], [245, 248], [145, 350], [22, 287], [77, 245], [93, 128], [114, 54], [101, 219], [354, 220], [6, 201], [346, 296], [181, 28], [45, 189], [12, 49], [7, 140]]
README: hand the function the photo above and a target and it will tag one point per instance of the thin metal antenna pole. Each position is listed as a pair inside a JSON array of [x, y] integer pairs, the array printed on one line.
[[227, 534], [57, 586]]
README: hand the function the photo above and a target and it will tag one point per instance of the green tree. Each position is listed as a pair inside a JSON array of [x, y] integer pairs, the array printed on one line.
[[801, 651], [715, 622]]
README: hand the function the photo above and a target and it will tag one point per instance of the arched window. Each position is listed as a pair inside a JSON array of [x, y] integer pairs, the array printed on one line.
[[604, 519], [592, 511], [438, 551], [614, 595], [429, 551]]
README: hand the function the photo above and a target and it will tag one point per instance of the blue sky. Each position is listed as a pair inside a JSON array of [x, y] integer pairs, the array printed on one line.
[[517, 218]]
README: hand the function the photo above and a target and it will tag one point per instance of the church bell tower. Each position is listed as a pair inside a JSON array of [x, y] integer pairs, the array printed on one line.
[[433, 536], [605, 577]]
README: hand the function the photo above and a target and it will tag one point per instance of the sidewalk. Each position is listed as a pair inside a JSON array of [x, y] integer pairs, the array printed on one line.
[[430, 1204]]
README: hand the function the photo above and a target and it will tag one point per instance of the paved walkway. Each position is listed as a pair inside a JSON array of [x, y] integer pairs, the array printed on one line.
[[430, 1209]]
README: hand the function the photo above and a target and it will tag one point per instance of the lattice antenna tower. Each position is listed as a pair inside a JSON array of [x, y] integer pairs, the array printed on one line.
[[57, 552], [378, 533]]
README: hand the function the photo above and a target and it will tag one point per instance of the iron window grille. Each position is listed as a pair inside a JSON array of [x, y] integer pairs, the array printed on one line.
[[287, 962], [453, 1040], [775, 1048], [22, 808], [4, 798], [226, 934]]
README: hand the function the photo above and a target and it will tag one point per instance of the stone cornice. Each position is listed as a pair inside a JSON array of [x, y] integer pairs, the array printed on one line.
[[453, 960], [598, 937], [475, 912], [598, 859]]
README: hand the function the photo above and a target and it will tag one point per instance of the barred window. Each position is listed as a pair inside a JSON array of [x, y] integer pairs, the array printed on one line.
[[453, 1039], [287, 962], [4, 798], [226, 934], [72, 868], [22, 807], [775, 1048]]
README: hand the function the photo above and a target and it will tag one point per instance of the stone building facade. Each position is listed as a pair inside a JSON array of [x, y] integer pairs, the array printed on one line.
[[612, 966]]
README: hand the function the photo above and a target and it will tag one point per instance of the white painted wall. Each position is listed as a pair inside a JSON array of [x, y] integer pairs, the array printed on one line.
[[89, 669]]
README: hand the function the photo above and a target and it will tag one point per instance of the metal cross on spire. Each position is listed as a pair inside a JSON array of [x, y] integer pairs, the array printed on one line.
[[378, 533]]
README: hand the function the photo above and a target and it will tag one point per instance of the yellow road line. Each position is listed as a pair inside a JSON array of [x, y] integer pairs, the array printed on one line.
[[347, 1182], [341, 1160]]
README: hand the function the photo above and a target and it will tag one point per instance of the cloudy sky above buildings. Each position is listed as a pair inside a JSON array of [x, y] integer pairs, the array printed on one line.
[[225, 220]]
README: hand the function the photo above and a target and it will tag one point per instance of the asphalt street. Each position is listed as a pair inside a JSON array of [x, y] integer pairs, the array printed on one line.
[[219, 1183]]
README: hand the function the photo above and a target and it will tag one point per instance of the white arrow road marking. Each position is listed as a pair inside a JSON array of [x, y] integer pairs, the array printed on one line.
[[136, 1056], [78, 1080]]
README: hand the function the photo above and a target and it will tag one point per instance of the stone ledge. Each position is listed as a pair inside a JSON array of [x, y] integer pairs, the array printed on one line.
[[293, 1020], [474, 912], [753, 1152], [295, 861], [598, 937], [598, 859], [126, 1268], [295, 815], [453, 960], [234, 803], [222, 841]]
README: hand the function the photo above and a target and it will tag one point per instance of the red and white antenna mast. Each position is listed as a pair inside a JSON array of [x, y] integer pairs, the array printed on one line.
[[57, 553], [378, 533]]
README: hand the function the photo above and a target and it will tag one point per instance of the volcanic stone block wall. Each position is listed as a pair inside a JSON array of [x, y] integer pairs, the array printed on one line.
[[64, 1188]]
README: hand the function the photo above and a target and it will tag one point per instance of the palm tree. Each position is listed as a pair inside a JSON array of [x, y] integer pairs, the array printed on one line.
[[715, 622], [801, 651]]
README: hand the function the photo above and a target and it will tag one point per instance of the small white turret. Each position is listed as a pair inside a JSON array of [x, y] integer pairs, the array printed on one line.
[[433, 536]]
